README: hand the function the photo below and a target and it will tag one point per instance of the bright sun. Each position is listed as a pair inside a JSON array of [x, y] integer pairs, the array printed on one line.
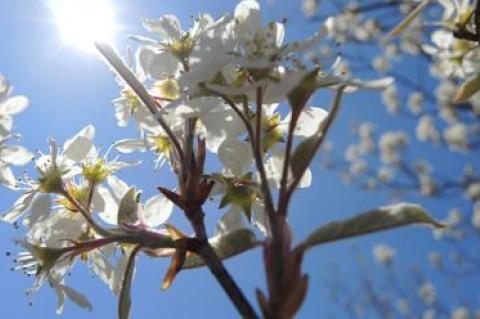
[[82, 22]]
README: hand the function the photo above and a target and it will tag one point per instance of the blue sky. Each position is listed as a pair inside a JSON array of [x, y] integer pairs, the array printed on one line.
[[69, 89]]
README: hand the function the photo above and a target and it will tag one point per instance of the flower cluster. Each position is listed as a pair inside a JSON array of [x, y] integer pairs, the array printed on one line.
[[10, 154], [228, 89]]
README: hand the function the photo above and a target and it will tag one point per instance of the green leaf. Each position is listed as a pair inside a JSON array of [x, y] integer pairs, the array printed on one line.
[[300, 95], [226, 246], [467, 90], [376, 220], [409, 19], [125, 300], [302, 156]]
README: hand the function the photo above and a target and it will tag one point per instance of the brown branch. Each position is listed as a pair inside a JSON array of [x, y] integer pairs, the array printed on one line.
[[216, 267]]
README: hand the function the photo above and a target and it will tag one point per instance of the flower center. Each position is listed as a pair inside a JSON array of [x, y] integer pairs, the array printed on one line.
[[161, 144], [167, 89], [95, 172], [131, 99]]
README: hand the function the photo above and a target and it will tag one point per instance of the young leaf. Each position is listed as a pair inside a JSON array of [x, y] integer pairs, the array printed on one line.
[[125, 301], [376, 220], [300, 95], [226, 246], [467, 90], [302, 155], [77, 297], [176, 264], [128, 208]]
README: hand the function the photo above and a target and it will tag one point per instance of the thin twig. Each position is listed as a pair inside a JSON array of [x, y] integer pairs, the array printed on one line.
[[126, 74], [258, 155], [86, 214], [286, 167]]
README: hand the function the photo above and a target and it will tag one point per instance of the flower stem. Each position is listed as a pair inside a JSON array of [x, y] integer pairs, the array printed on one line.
[[86, 214]]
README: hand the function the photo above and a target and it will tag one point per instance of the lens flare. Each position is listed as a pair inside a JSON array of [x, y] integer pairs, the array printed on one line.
[[82, 22]]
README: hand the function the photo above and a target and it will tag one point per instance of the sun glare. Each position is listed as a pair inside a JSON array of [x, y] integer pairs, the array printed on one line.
[[82, 22]]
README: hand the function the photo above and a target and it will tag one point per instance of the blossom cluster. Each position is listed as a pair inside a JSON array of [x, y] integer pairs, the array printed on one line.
[[229, 89]]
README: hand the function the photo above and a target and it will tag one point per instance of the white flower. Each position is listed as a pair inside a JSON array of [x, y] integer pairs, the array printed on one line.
[[151, 214], [383, 253], [10, 154], [9, 105], [426, 130], [403, 306], [54, 170], [455, 217], [310, 7], [416, 102], [456, 136], [473, 191], [429, 314], [385, 174], [202, 50], [427, 293], [391, 145], [460, 313], [381, 63], [476, 215], [453, 57], [391, 100], [49, 265]]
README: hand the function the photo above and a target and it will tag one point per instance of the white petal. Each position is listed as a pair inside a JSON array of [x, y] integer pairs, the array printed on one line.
[[15, 155], [109, 210], [6, 124], [20, 206], [117, 276], [308, 43], [306, 179], [60, 296], [14, 105], [101, 266], [7, 178], [248, 18], [235, 156], [163, 64], [260, 219], [157, 210], [116, 166], [198, 106], [144, 56], [77, 297], [119, 188], [232, 220], [40, 209], [130, 145], [78, 147], [309, 121], [98, 203], [167, 26]]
